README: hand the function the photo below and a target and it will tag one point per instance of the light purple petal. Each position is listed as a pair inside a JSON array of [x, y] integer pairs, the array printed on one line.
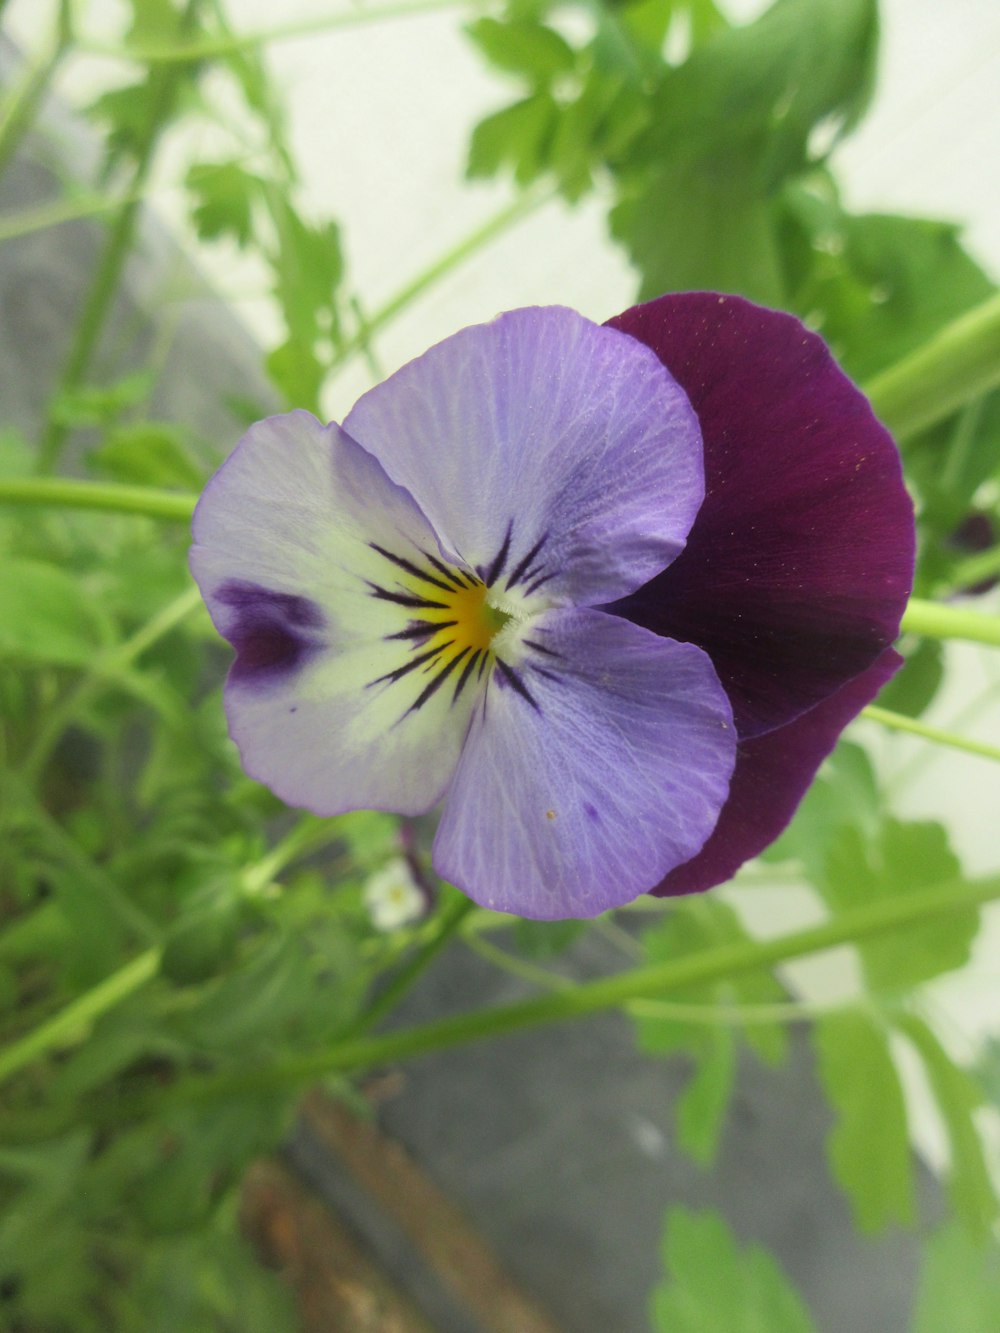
[[773, 773], [600, 766], [800, 562], [549, 453], [326, 698]]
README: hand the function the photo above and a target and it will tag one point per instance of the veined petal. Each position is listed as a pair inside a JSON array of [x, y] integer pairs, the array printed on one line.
[[550, 454], [800, 563], [351, 631], [592, 767], [773, 773]]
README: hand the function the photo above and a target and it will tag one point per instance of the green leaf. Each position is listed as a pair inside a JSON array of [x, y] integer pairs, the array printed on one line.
[[900, 859], [911, 690], [970, 1186], [46, 615], [714, 1283], [223, 197], [545, 939], [701, 226], [149, 453], [868, 1148], [529, 50], [692, 928], [754, 95], [517, 137], [297, 373], [959, 1289], [702, 1105]]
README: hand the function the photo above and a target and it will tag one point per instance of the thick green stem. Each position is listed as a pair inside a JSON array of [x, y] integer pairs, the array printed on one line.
[[70, 1022], [899, 722], [960, 363], [64, 493], [24, 101], [162, 98], [873, 918], [935, 620]]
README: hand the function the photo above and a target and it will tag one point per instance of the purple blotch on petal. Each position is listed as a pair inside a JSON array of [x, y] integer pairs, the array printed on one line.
[[272, 632]]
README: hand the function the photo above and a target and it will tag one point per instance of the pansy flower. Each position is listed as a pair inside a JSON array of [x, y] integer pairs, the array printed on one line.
[[608, 593]]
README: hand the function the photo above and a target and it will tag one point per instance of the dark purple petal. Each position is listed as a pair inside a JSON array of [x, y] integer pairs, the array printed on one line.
[[800, 562], [771, 777]]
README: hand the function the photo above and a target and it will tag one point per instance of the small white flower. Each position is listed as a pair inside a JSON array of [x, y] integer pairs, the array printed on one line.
[[393, 897]]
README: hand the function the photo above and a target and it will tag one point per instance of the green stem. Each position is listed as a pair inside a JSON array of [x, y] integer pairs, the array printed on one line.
[[22, 106], [65, 493], [67, 1024], [975, 569], [212, 48], [104, 667], [516, 967], [29, 220], [935, 620], [960, 363], [911, 724], [310, 833], [510, 214], [877, 917], [161, 100], [444, 926]]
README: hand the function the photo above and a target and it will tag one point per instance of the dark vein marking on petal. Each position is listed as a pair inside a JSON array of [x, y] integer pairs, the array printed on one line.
[[535, 584], [460, 577], [513, 679], [482, 666], [466, 673], [500, 559], [422, 629], [403, 599], [541, 648], [410, 567], [523, 565], [434, 685], [544, 671], [412, 665]]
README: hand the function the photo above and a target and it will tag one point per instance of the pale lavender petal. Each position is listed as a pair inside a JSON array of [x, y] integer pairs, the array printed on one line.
[[597, 763], [552, 455], [327, 580]]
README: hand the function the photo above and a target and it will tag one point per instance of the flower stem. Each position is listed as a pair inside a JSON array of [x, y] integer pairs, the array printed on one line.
[[510, 214], [935, 620], [22, 105], [445, 924], [960, 363], [212, 48], [80, 1013], [116, 660], [161, 102], [877, 917], [65, 493], [899, 722]]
